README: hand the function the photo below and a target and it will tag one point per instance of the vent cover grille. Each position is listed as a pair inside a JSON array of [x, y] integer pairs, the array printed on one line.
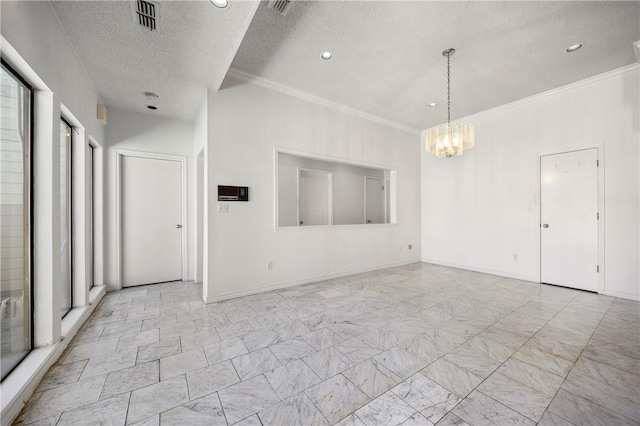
[[280, 6], [147, 14]]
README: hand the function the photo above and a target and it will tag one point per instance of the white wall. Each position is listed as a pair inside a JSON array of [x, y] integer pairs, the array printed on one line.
[[200, 136], [348, 189], [481, 209], [127, 130], [246, 122]]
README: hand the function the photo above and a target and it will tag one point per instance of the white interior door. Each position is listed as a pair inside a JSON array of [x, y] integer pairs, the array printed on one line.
[[374, 207], [569, 219], [151, 209], [314, 197]]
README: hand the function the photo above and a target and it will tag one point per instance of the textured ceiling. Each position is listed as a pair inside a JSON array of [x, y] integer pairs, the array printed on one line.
[[192, 49], [387, 54]]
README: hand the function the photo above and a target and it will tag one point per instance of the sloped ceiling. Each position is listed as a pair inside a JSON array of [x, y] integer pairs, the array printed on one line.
[[387, 54], [191, 50]]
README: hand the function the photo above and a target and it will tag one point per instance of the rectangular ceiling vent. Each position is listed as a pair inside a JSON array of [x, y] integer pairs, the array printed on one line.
[[280, 6], [146, 14]]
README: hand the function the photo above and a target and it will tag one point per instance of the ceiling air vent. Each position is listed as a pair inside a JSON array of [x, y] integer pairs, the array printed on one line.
[[146, 14], [280, 6]]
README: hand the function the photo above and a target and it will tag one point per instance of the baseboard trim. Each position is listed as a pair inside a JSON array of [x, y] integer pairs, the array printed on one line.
[[483, 270], [20, 384], [279, 286], [635, 298]]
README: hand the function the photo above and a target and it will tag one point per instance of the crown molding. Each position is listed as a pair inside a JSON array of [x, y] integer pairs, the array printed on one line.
[[259, 81], [305, 96], [552, 92]]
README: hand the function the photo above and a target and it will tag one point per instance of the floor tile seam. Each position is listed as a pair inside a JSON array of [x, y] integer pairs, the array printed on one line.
[[513, 409], [235, 370], [221, 407], [415, 408], [282, 399], [622, 397], [617, 346], [519, 348], [496, 369], [363, 392], [636, 374], [35, 422], [312, 402], [77, 407], [161, 412], [601, 361], [574, 364], [558, 415], [600, 406], [126, 414], [314, 372]]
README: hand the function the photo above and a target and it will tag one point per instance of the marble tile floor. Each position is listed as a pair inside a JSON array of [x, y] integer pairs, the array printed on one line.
[[414, 345]]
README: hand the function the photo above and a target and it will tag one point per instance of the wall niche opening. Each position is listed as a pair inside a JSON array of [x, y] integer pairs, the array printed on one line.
[[314, 191]]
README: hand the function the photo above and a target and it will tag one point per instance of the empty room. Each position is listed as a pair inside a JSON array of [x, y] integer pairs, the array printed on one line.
[[291, 212]]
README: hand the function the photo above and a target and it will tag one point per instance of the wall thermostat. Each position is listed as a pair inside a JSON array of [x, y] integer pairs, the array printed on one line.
[[233, 193]]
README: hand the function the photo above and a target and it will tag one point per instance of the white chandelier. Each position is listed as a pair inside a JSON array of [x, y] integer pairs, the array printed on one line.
[[450, 139]]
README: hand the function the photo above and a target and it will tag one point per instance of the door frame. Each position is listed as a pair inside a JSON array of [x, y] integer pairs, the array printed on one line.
[[329, 174], [119, 155], [384, 199], [601, 208]]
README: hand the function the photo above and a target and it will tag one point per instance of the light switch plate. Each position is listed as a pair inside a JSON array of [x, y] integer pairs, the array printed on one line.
[[223, 208]]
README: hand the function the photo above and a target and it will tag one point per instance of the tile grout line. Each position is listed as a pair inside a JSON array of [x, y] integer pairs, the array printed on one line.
[[496, 369], [571, 370]]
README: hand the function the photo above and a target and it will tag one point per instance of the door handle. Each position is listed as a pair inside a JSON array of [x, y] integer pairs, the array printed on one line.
[[179, 226], [546, 225]]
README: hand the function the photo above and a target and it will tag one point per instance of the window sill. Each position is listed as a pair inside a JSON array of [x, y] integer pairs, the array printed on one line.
[[368, 226], [19, 385]]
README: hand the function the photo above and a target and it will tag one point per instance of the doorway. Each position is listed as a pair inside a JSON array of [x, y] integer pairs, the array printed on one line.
[[374, 200], [569, 219], [315, 197], [151, 210], [200, 210]]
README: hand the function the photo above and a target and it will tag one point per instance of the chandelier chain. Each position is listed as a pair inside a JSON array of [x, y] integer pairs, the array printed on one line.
[[449, 88]]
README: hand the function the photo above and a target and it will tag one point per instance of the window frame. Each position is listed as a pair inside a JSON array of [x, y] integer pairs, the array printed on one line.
[[28, 216], [69, 210]]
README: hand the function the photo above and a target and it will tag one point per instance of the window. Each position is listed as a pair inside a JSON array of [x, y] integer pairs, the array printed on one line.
[[15, 214], [65, 215], [90, 185]]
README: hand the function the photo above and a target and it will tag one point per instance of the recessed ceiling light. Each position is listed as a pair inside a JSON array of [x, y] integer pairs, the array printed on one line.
[[574, 47], [432, 104], [326, 55], [152, 107], [220, 3], [151, 95]]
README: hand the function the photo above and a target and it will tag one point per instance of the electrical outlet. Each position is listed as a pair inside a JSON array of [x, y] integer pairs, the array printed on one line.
[[515, 256], [223, 208], [269, 265]]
